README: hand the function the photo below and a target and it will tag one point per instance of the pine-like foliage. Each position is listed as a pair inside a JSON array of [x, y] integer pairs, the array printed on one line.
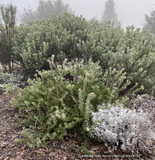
[[133, 51], [136, 55], [73, 37], [57, 100], [124, 128], [38, 40]]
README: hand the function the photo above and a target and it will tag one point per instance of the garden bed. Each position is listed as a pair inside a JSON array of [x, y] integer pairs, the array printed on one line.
[[68, 150]]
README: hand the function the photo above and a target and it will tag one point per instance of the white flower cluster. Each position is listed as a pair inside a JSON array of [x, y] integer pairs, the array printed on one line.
[[125, 128]]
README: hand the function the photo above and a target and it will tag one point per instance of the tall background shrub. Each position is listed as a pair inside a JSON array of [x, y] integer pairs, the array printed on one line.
[[71, 37]]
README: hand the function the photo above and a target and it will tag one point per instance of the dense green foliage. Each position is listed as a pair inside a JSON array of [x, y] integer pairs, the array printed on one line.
[[45, 10], [150, 22], [73, 37], [91, 63], [38, 40], [7, 30], [62, 98], [137, 55]]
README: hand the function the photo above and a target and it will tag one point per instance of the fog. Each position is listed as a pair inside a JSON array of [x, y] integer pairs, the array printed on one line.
[[130, 12]]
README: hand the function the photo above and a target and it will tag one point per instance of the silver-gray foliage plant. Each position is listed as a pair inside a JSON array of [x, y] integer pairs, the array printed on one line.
[[122, 127], [13, 80]]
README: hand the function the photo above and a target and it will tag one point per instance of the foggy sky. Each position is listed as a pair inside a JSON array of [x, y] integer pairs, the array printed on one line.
[[130, 12]]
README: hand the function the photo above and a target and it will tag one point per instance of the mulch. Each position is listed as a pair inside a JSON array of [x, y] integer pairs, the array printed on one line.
[[68, 150]]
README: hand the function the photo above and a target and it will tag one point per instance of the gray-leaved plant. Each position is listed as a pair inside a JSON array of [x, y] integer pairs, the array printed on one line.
[[120, 127], [11, 81]]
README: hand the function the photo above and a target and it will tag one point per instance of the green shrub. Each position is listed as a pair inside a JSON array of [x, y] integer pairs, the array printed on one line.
[[73, 37], [137, 57], [57, 101], [33, 41], [36, 42], [133, 50]]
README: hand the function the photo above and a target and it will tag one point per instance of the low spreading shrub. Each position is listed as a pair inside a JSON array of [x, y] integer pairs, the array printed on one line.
[[124, 128], [57, 101]]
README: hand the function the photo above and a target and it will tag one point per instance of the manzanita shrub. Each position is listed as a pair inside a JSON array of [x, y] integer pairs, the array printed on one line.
[[57, 100]]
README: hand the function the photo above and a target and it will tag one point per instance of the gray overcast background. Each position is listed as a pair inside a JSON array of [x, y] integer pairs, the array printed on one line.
[[130, 12]]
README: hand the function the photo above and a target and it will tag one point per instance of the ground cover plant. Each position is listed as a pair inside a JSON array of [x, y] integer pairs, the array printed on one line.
[[11, 81]]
